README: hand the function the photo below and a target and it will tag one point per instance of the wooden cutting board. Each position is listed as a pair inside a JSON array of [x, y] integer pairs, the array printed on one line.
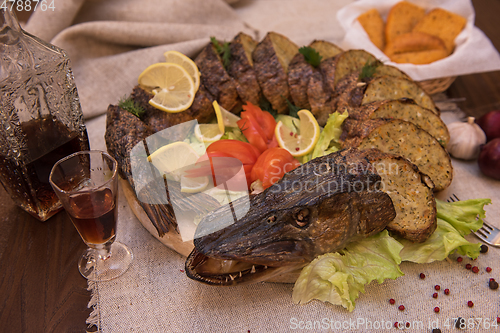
[[172, 239]]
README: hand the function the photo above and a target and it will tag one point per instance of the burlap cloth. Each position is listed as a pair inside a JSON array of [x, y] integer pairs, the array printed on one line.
[[110, 43]]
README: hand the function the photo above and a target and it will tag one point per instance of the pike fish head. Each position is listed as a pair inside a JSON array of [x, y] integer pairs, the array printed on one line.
[[296, 235]]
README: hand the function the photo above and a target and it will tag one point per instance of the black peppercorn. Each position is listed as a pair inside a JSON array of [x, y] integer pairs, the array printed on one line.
[[493, 284], [460, 323], [436, 330], [484, 248]]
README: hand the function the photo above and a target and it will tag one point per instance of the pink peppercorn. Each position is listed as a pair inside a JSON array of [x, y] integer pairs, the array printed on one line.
[[488, 269], [437, 287], [475, 269], [401, 307], [459, 259], [436, 309], [470, 304], [447, 291], [435, 295], [396, 324], [498, 320], [422, 275], [468, 266], [392, 301]]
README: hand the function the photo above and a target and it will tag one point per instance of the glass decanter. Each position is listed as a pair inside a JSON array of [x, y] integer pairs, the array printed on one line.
[[40, 116]]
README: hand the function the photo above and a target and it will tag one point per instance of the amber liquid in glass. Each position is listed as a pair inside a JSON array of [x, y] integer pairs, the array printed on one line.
[[94, 215]]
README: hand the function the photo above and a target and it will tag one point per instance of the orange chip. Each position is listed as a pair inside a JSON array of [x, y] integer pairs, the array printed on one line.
[[443, 24], [401, 19], [414, 42], [373, 24], [419, 57]]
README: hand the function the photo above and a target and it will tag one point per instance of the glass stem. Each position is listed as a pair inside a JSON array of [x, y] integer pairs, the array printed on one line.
[[103, 250]]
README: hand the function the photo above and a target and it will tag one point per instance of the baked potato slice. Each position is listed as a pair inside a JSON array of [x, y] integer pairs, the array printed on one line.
[[271, 58], [325, 49], [354, 60], [241, 69], [216, 80]]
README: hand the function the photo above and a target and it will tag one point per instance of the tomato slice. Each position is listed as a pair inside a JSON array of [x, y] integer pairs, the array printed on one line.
[[272, 165], [243, 151], [252, 133], [221, 169], [258, 127]]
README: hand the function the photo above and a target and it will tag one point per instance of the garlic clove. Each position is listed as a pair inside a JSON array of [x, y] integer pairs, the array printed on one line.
[[465, 139]]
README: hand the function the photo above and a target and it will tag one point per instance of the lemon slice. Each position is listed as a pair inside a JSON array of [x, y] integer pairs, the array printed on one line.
[[193, 185], [302, 142], [207, 133], [172, 159], [220, 118], [229, 119], [182, 60], [172, 86]]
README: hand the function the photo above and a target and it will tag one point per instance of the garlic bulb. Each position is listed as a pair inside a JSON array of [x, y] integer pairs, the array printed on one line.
[[465, 139]]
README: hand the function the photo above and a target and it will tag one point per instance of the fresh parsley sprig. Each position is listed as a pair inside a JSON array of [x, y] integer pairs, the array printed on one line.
[[311, 55], [128, 104], [292, 109], [223, 50], [369, 69]]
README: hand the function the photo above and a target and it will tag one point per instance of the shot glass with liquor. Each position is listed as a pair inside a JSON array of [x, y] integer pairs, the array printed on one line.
[[86, 183]]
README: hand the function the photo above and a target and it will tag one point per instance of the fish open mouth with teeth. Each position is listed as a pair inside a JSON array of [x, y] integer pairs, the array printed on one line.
[[317, 208]]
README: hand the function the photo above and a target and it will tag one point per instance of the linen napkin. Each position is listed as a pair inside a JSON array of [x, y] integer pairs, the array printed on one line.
[[111, 42]]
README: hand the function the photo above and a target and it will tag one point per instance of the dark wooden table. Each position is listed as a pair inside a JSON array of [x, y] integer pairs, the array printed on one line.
[[481, 91], [41, 289]]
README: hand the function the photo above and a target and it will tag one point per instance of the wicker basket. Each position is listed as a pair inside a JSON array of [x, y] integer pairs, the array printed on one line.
[[435, 86]]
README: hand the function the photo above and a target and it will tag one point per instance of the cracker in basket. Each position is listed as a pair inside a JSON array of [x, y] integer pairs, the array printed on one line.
[[401, 19], [373, 24], [419, 57], [443, 24], [417, 48], [413, 42]]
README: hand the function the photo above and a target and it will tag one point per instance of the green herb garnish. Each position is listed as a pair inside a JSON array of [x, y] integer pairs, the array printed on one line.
[[131, 106], [311, 55], [292, 109], [369, 69], [223, 51], [265, 105]]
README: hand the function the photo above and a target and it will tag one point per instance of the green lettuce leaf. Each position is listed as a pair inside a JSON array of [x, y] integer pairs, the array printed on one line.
[[463, 214], [328, 141], [444, 241], [338, 278], [455, 220]]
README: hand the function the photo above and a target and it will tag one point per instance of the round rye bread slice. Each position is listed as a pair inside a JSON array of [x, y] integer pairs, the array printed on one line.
[[411, 193], [403, 138]]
